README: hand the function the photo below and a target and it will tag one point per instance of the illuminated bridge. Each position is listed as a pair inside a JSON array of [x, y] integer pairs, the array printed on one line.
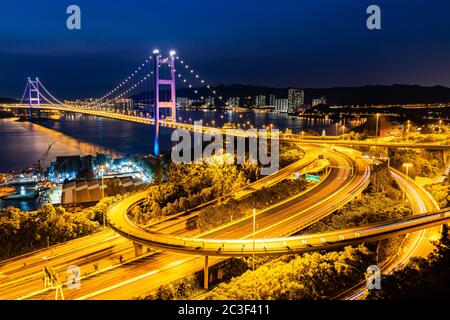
[[163, 76], [119, 221]]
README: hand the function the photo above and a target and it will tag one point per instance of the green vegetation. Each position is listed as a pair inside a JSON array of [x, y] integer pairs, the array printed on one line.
[[290, 153], [22, 232], [425, 163], [310, 277], [423, 138], [321, 276], [380, 201], [354, 136], [317, 275], [217, 215], [189, 186], [421, 279], [441, 193]]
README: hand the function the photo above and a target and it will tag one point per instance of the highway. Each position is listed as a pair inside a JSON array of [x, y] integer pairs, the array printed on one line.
[[133, 273], [416, 244], [300, 244], [25, 272]]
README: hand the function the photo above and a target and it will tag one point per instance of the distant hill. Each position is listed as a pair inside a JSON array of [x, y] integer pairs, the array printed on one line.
[[8, 100], [365, 95]]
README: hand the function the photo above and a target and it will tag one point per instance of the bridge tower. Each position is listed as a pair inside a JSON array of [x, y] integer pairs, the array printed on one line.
[[34, 96], [158, 83]]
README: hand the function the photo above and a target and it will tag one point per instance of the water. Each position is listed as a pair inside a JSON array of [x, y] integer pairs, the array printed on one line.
[[24, 143], [23, 204]]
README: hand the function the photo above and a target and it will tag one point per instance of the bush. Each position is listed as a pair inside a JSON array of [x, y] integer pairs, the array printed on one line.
[[310, 277], [22, 232]]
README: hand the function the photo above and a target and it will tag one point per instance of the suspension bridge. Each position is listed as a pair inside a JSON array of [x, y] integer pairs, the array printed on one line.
[[157, 77]]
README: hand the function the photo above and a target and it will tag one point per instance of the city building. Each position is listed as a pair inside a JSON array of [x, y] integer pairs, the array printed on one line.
[[90, 191], [296, 98], [210, 101], [233, 102], [281, 105], [319, 101], [260, 101], [272, 99], [183, 102], [75, 167], [390, 128]]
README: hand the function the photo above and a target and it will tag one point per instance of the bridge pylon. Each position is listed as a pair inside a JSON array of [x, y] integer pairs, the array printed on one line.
[[34, 96], [158, 83]]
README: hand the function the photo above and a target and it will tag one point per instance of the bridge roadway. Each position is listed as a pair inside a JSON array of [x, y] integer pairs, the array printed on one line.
[[122, 281], [238, 133]]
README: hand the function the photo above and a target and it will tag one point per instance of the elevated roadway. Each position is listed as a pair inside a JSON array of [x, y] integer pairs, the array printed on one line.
[[237, 133], [152, 270]]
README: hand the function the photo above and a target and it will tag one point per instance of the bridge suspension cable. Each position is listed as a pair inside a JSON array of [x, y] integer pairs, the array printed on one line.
[[50, 95], [197, 76], [123, 82], [34, 86], [24, 92]]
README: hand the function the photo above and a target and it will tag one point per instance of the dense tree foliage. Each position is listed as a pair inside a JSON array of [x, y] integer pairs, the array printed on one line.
[[426, 163], [354, 136], [189, 186], [289, 153], [379, 202], [441, 193], [308, 277], [421, 279], [22, 232]]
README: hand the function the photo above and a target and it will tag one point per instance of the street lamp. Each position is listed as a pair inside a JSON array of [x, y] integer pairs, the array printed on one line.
[[343, 129], [254, 234], [337, 128], [407, 133], [407, 166], [103, 168], [376, 132], [303, 136]]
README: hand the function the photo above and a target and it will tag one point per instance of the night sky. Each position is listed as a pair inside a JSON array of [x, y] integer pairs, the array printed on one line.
[[320, 43]]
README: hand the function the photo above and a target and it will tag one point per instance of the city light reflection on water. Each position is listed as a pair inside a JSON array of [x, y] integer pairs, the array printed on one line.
[[24, 143]]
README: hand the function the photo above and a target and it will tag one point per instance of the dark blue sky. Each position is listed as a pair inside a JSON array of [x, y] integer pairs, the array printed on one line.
[[318, 43]]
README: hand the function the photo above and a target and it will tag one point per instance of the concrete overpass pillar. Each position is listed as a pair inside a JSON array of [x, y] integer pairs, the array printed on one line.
[[138, 249], [206, 274]]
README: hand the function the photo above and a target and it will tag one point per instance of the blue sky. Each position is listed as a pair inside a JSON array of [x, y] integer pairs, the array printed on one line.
[[282, 43]]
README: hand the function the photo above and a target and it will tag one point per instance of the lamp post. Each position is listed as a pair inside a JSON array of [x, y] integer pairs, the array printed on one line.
[[407, 166], [343, 129], [376, 131], [103, 167], [409, 127], [303, 136], [337, 128], [254, 234]]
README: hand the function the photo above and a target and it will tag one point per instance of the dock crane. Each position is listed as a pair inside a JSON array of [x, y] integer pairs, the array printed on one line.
[[38, 164]]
